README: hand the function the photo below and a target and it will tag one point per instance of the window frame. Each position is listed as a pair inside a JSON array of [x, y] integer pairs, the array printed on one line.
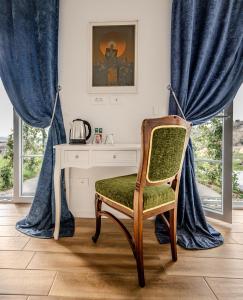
[[18, 196], [226, 213], [17, 164]]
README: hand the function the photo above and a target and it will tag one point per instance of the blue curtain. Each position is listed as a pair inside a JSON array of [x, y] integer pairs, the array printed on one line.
[[28, 69], [206, 72]]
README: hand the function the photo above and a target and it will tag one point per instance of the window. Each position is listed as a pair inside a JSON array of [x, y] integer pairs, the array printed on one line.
[[207, 143], [238, 150], [212, 144], [6, 146], [33, 142], [21, 154]]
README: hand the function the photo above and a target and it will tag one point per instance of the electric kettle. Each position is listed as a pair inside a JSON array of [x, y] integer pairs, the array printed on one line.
[[78, 132]]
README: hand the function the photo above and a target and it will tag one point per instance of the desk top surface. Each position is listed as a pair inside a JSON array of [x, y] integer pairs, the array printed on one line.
[[98, 147]]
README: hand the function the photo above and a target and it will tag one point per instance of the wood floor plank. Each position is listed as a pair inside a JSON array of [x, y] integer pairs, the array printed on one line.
[[228, 238], [226, 288], [124, 286], [13, 297], [78, 245], [14, 206], [238, 237], [15, 259], [91, 262], [238, 219], [13, 213], [235, 227], [26, 282], [208, 267], [9, 220], [112, 243], [88, 225], [237, 212], [225, 251], [13, 243], [59, 298], [225, 227], [9, 231]]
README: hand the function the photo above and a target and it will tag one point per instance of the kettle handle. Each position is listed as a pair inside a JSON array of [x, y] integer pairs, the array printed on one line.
[[89, 129]]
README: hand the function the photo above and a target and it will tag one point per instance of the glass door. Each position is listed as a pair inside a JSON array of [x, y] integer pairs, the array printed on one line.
[[29, 146], [6, 146], [21, 154], [238, 151], [212, 143], [32, 151]]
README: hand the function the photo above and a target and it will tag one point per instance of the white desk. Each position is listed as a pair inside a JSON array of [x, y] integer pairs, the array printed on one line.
[[88, 156]]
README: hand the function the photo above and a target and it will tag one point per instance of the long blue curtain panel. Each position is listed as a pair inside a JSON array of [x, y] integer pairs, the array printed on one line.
[[206, 73], [28, 69]]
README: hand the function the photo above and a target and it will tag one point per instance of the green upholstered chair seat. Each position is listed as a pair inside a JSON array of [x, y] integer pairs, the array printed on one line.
[[121, 190]]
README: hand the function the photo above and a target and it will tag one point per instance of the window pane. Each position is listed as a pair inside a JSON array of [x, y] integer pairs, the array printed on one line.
[[6, 145], [209, 183], [34, 140], [33, 147], [207, 144], [238, 150], [30, 172]]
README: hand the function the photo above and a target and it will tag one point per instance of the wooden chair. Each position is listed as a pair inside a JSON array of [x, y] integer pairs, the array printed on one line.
[[154, 190]]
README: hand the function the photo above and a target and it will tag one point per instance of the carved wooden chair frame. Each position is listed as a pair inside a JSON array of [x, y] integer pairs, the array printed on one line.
[[138, 214]]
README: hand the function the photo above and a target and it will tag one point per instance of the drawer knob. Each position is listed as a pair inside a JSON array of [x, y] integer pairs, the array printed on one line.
[[77, 156], [114, 156]]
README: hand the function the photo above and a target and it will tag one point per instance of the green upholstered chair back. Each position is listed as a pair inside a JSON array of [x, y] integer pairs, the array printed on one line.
[[166, 149]]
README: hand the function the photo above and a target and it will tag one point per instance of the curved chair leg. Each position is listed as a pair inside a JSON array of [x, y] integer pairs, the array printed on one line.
[[98, 218], [173, 234], [122, 227], [138, 239]]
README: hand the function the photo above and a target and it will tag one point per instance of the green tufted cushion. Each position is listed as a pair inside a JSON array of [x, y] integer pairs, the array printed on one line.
[[166, 152], [121, 190]]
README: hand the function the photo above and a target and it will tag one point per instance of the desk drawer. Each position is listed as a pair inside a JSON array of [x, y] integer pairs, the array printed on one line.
[[115, 157], [76, 157]]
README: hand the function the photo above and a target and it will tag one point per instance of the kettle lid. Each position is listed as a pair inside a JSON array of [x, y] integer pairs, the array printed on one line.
[[77, 120]]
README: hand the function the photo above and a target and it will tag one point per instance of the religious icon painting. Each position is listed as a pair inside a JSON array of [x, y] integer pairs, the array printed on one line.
[[113, 57]]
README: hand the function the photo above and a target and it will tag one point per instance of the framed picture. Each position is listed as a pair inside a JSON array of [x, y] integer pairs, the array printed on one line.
[[113, 57]]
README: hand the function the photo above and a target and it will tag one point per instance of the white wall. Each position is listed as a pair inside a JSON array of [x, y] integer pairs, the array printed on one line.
[[123, 120]]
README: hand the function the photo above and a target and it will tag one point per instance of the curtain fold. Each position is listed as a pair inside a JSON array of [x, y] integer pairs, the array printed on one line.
[[28, 69], [206, 73]]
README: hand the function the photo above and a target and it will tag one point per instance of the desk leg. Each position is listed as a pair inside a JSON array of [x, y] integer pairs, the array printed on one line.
[[57, 189], [67, 184]]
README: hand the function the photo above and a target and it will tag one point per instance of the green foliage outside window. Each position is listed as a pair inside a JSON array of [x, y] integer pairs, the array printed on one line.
[[207, 144], [6, 166], [34, 140]]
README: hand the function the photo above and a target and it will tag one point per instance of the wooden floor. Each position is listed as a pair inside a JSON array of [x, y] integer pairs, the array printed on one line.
[[75, 268]]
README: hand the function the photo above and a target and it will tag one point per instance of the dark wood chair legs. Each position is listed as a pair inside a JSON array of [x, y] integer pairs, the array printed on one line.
[[173, 234], [140, 269], [138, 241], [98, 204]]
